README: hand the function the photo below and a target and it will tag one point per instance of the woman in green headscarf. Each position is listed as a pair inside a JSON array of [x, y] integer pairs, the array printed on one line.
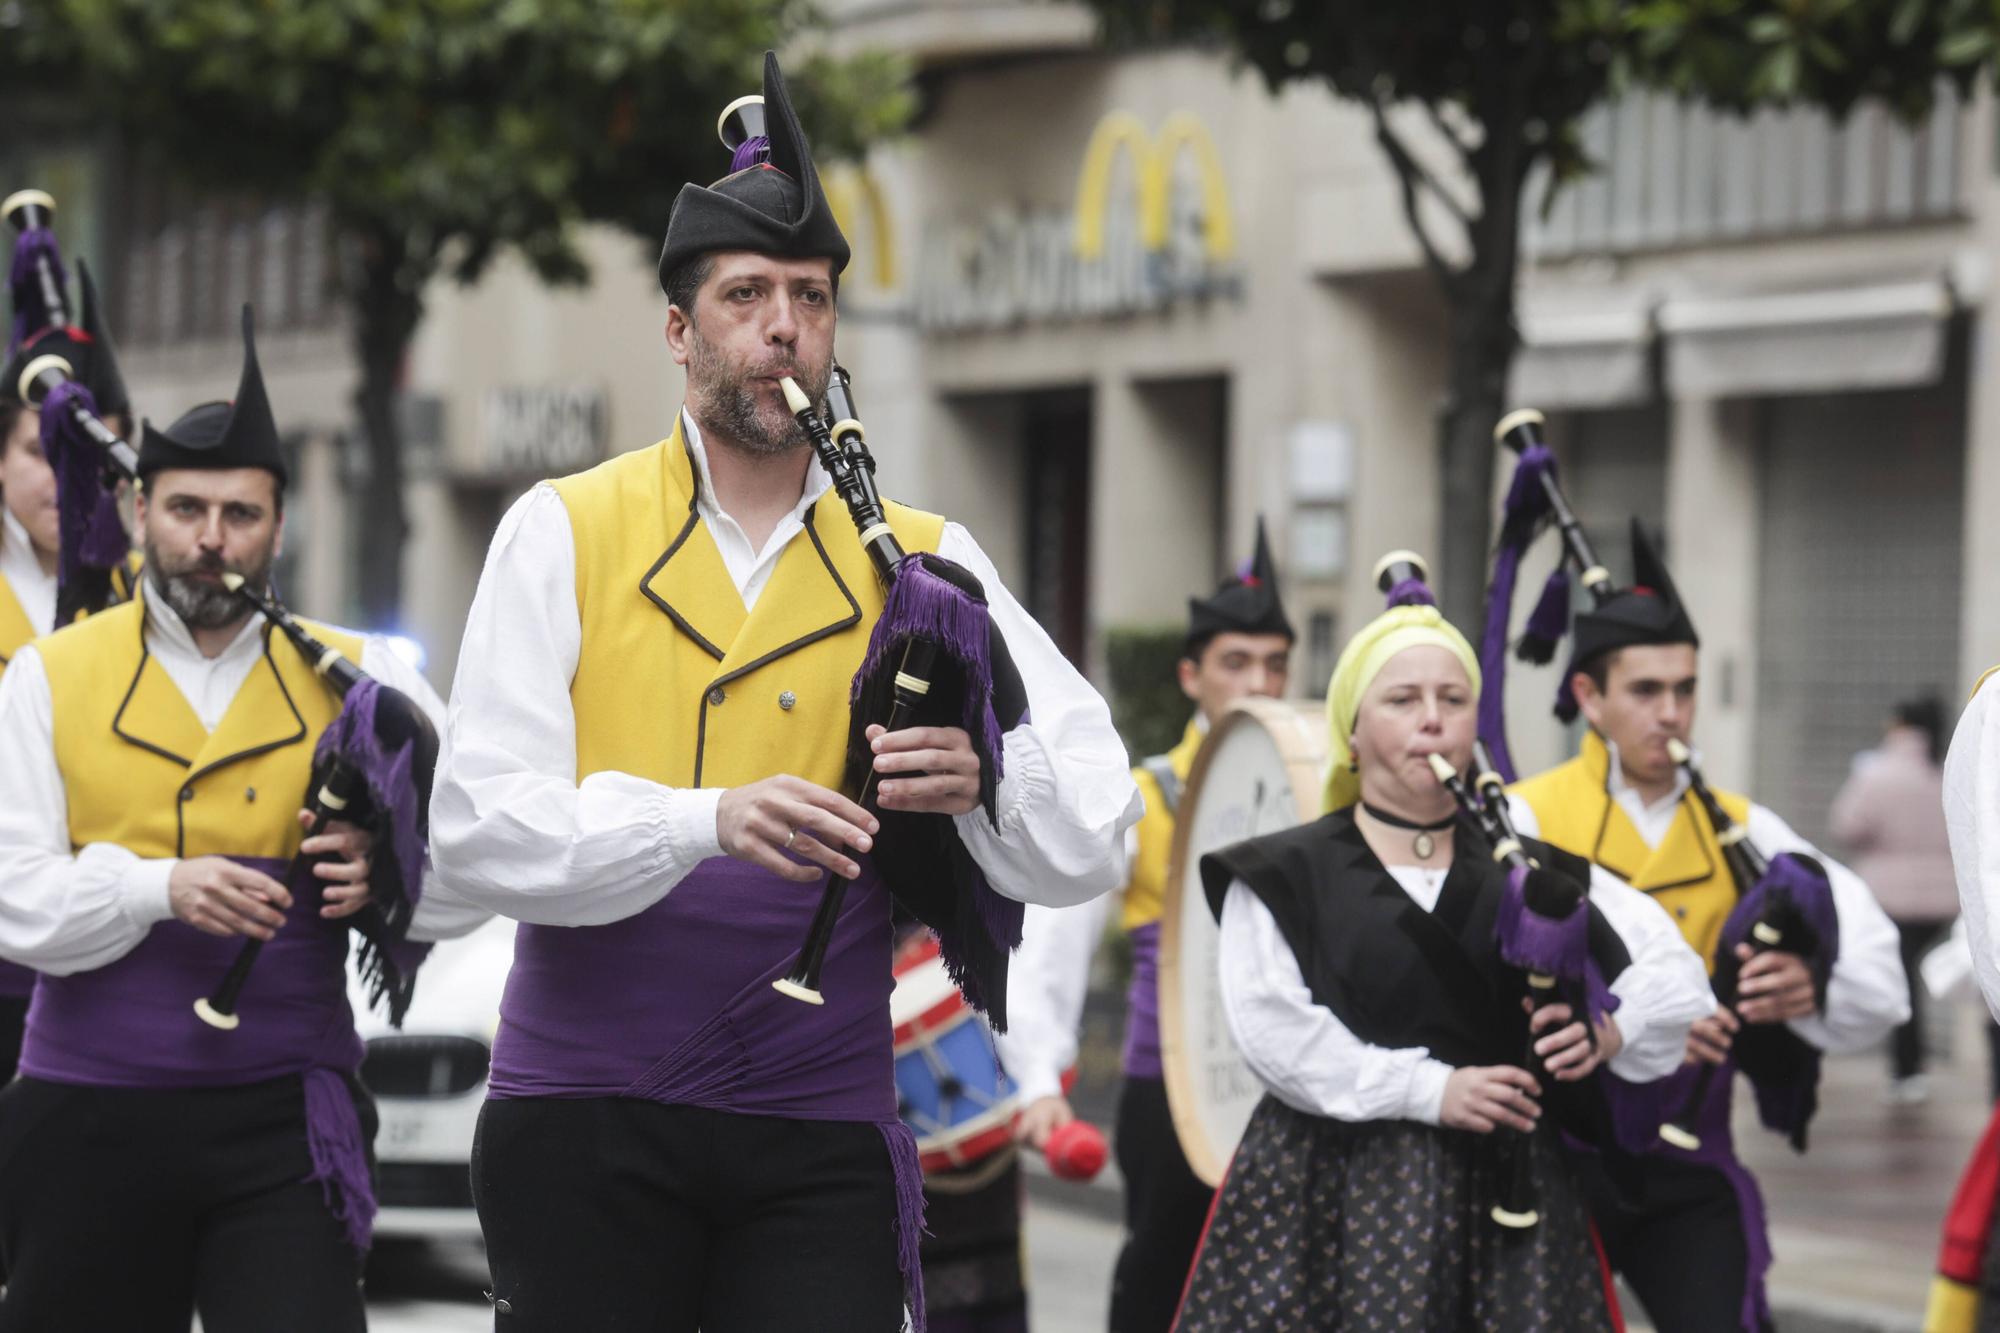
[[1363, 983]]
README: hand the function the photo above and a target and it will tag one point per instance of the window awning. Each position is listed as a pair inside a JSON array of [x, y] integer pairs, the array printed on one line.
[[1847, 338], [1583, 358]]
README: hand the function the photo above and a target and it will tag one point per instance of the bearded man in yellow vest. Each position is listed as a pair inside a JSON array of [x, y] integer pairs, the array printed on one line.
[[1239, 644], [1685, 1227], [650, 724], [32, 527], [157, 755]]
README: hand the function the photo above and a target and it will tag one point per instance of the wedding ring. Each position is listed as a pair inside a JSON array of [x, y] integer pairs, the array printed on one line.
[[790, 840]]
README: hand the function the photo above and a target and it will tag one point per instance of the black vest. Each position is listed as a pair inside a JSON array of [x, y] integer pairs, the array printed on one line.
[[1395, 975]]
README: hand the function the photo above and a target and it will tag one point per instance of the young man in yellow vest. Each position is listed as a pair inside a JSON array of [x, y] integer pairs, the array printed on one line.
[[31, 535], [157, 755], [650, 724], [1239, 644], [1625, 804]]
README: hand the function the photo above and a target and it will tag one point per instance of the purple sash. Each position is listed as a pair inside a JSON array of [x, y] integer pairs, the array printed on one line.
[[1142, 1021], [675, 1005], [16, 982], [131, 1024], [1718, 1152]]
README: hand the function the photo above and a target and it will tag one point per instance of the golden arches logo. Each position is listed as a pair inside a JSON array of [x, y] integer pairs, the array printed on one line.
[[1153, 159], [851, 192]]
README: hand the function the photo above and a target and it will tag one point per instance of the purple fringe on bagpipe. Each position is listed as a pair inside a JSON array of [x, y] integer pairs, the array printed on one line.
[[1412, 592], [31, 312], [93, 533], [1521, 518], [1786, 1106], [909, 1171], [749, 153], [1548, 622], [339, 1156], [1553, 946], [390, 777]]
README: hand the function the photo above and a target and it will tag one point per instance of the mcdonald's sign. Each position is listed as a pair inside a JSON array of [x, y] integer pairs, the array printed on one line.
[[852, 193], [1153, 160]]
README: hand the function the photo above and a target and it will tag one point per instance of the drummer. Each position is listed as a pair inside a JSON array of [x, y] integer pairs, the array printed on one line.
[[1239, 644], [1361, 980]]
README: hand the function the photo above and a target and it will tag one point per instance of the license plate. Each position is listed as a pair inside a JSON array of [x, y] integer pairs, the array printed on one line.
[[405, 1134]]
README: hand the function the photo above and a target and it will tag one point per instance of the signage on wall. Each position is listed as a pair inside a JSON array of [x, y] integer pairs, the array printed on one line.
[[1167, 239], [543, 432]]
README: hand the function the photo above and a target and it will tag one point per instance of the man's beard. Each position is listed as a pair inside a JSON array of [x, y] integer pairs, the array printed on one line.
[[732, 404], [201, 603]]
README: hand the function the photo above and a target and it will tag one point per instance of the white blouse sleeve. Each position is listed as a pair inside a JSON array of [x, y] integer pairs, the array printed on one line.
[[1299, 1050], [1972, 821], [1047, 980]]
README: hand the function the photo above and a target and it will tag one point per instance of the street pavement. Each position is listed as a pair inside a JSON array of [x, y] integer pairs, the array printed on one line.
[[1855, 1221]]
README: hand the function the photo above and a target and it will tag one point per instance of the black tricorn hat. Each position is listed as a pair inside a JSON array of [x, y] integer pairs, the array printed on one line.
[[214, 436], [86, 346], [1249, 603], [771, 202], [1650, 611]]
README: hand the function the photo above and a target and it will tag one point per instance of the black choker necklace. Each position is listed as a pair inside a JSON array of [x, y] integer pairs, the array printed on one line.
[[1424, 844]]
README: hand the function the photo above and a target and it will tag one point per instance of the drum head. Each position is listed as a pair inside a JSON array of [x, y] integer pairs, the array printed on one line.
[[1259, 771]]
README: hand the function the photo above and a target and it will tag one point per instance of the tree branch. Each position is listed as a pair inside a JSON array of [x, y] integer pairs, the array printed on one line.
[[1411, 175], [1451, 135]]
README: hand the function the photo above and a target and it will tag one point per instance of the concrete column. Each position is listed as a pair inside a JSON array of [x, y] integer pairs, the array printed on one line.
[[1712, 548], [1979, 617]]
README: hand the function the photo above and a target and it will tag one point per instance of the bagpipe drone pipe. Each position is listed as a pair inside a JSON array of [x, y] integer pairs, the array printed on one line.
[[1784, 904], [372, 768], [68, 373], [934, 659]]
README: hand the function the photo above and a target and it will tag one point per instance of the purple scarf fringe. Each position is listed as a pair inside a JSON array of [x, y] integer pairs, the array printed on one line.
[[909, 1171], [749, 153], [390, 778], [339, 1156], [1553, 946], [1412, 592], [93, 533], [1521, 518], [31, 312]]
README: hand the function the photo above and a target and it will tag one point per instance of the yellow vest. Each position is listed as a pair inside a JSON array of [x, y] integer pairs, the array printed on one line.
[[675, 680], [1687, 873], [140, 771], [15, 629], [1145, 895]]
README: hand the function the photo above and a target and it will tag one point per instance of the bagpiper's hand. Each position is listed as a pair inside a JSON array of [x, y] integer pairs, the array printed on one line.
[[1565, 1046], [942, 769], [345, 870], [218, 896], [763, 821], [1483, 1099], [1773, 987], [1043, 1117], [1710, 1038]]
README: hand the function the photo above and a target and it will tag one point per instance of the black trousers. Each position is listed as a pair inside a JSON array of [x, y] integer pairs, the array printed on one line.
[[615, 1215], [13, 1019], [1906, 1047], [1678, 1242], [1166, 1206], [972, 1250], [129, 1209]]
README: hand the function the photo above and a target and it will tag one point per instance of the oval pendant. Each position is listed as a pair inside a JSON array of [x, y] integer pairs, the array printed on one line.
[[1424, 846]]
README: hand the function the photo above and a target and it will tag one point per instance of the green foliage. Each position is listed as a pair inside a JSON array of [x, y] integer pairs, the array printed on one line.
[[1147, 705]]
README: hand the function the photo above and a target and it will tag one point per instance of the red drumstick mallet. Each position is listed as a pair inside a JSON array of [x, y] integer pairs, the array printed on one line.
[[1076, 1151]]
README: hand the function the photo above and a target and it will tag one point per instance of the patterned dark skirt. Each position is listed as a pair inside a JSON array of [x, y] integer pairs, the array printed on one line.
[[973, 1280], [1326, 1225]]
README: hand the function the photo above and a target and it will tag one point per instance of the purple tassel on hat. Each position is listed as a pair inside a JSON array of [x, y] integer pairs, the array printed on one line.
[[339, 1156], [1526, 509], [755, 149], [1548, 622], [31, 312], [1412, 592]]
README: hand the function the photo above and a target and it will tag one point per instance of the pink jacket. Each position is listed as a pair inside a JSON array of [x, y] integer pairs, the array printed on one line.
[[1890, 814]]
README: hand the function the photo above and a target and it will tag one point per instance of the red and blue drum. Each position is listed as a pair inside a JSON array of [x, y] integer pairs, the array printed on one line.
[[949, 1088]]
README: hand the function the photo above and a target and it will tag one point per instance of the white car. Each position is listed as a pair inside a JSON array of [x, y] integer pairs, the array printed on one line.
[[429, 1082]]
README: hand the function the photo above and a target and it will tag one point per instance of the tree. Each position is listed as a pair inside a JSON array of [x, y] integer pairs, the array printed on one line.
[[1503, 89], [438, 134]]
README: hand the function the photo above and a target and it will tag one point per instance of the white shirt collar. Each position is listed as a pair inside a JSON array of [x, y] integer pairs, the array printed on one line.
[[817, 482], [1654, 818], [34, 588]]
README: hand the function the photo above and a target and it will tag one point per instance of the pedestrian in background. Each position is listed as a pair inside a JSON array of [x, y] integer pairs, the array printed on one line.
[[1890, 816]]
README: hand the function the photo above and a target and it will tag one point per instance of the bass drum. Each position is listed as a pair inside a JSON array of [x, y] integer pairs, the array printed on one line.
[[1261, 769]]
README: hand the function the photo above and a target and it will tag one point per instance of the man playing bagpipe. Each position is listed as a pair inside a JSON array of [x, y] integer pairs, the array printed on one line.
[[154, 1161], [665, 711], [1801, 957], [1403, 1169], [1239, 644]]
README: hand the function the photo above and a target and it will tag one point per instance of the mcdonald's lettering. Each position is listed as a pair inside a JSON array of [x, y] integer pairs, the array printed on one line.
[[1155, 247]]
